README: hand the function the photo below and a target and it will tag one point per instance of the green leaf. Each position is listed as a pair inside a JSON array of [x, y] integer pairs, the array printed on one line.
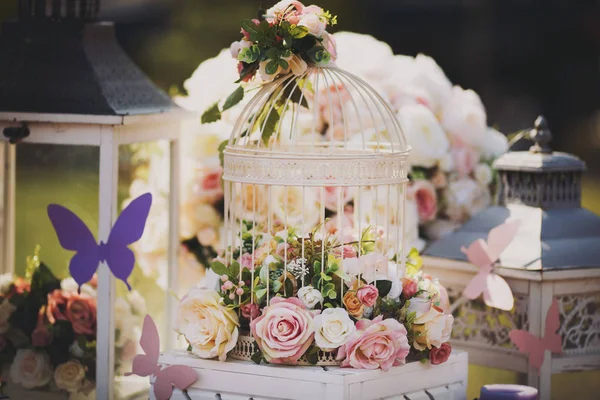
[[249, 55], [289, 288], [212, 114], [272, 67], [298, 32], [257, 357], [219, 268], [234, 270], [332, 294], [249, 26], [189, 348], [260, 293], [272, 53], [283, 63], [384, 287], [312, 355], [234, 98], [221, 151], [270, 125], [276, 286]]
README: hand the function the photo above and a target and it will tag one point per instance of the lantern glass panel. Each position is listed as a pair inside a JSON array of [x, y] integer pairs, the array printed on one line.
[[65, 175]]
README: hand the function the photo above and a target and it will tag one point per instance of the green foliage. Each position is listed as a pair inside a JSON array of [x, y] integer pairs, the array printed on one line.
[[312, 355], [234, 98], [212, 114], [257, 357], [383, 287]]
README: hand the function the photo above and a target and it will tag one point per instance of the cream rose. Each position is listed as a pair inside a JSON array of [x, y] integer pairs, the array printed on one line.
[[251, 202], [425, 135], [69, 376], [483, 174], [333, 328], [6, 281], [6, 310], [295, 205], [495, 144], [31, 369], [419, 306], [464, 117], [208, 326], [435, 328], [310, 296]]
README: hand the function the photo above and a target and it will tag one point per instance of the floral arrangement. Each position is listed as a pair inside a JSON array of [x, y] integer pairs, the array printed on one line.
[[302, 296], [48, 330]]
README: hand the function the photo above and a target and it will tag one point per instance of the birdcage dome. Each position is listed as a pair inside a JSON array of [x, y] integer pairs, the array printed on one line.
[[323, 127]]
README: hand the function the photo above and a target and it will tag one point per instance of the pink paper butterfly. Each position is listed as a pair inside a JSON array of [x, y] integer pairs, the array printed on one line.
[[536, 347], [496, 292], [180, 376]]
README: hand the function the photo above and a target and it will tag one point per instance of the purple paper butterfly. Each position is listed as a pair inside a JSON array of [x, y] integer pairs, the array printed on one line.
[[74, 235]]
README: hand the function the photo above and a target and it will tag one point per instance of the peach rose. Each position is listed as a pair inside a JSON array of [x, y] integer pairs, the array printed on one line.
[[425, 196], [377, 344], [79, 309], [367, 295], [353, 305], [284, 331]]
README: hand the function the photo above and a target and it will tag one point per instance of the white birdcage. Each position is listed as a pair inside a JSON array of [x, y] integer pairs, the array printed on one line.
[[319, 163]]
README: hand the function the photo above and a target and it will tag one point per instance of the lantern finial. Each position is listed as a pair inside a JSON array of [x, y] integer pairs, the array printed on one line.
[[541, 136], [59, 10]]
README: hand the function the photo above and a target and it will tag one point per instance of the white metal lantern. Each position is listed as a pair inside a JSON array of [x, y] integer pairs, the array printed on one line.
[[555, 256], [317, 156], [65, 81]]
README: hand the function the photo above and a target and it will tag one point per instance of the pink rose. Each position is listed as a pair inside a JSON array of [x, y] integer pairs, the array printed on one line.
[[368, 295], [210, 188], [465, 158], [425, 196], [345, 222], [330, 45], [377, 344], [409, 287], [282, 249], [284, 331], [250, 311], [246, 261], [334, 194], [348, 251], [440, 355]]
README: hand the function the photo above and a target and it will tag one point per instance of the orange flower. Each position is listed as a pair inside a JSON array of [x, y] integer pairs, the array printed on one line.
[[353, 305]]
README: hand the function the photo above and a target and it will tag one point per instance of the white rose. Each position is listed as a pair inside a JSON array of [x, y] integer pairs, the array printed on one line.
[[315, 25], [483, 174], [435, 328], [425, 135], [236, 47], [310, 296], [333, 328], [419, 306], [418, 79], [69, 376], [6, 310], [465, 198], [70, 286], [447, 162], [31, 369], [363, 55], [494, 145], [6, 281], [278, 8], [138, 303], [463, 116], [295, 205]]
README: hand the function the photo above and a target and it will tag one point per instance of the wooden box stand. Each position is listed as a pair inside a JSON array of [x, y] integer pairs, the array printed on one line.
[[242, 380]]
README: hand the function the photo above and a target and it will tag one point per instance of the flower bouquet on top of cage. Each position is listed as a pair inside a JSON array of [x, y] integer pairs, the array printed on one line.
[[316, 268]]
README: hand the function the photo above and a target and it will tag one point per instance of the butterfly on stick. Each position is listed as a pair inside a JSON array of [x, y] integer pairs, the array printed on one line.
[[179, 376], [536, 347], [74, 235]]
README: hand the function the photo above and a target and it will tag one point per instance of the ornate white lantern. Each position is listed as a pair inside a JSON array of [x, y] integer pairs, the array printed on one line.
[[65, 81], [555, 256]]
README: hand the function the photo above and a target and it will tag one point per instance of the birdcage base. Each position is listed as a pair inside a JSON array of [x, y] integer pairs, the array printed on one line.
[[246, 346]]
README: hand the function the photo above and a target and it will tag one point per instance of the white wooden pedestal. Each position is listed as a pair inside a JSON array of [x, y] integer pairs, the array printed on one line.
[[241, 380]]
